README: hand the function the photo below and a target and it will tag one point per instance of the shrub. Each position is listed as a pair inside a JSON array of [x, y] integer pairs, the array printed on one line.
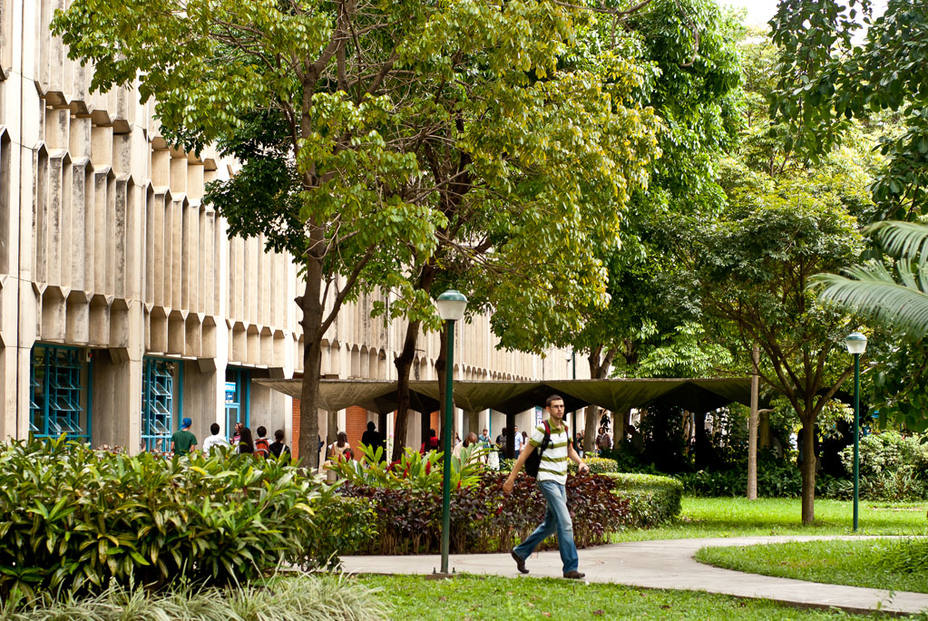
[[775, 479], [598, 465], [483, 519], [341, 525], [73, 519], [413, 470], [652, 499], [309, 597]]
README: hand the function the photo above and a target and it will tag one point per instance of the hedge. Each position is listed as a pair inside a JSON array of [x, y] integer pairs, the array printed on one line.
[[652, 499], [483, 519]]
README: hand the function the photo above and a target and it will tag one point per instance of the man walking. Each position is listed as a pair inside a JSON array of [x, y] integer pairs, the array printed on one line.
[[552, 478]]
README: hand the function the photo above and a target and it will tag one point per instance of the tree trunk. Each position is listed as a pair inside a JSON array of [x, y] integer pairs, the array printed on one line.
[[763, 429], [311, 304], [808, 471], [591, 420], [599, 369], [752, 429], [403, 364], [620, 427]]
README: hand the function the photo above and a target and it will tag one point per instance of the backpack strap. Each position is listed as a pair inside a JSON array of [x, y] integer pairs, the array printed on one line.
[[547, 438]]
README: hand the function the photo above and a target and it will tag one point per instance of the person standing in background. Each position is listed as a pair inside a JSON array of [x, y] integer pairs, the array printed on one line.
[[183, 441]]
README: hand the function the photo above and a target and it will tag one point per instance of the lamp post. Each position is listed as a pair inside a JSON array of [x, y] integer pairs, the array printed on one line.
[[451, 305], [856, 344]]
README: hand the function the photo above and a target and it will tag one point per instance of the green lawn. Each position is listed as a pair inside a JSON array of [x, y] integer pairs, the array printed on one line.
[[874, 564], [731, 517], [475, 597]]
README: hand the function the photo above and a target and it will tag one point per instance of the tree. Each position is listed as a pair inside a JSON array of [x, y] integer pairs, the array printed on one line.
[[693, 85], [344, 113], [826, 77]]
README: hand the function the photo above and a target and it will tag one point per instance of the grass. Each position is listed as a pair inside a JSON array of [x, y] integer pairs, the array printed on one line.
[[303, 597], [857, 563], [732, 517], [477, 597]]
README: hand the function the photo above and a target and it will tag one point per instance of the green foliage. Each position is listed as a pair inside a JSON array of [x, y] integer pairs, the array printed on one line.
[[309, 597], [340, 526], [825, 76], [378, 139], [74, 519], [909, 557], [775, 479], [413, 470], [598, 465], [898, 294], [649, 327], [652, 499]]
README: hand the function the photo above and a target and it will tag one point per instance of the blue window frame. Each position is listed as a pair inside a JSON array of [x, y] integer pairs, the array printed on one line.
[[238, 398], [58, 402], [159, 379]]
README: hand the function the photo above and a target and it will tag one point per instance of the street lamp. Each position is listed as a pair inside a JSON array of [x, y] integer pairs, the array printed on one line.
[[856, 344], [451, 305]]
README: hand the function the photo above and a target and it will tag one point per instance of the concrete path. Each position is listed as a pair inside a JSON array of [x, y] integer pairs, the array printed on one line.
[[667, 564]]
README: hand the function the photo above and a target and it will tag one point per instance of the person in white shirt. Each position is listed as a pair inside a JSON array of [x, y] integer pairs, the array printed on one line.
[[552, 478], [217, 439], [517, 441]]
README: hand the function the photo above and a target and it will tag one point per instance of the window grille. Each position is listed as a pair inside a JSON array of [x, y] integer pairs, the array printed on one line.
[[158, 404], [56, 393]]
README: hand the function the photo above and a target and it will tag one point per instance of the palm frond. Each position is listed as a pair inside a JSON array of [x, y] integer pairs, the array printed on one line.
[[902, 239], [871, 290]]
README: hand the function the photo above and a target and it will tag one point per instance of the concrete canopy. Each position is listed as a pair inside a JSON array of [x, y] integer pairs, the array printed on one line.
[[693, 394]]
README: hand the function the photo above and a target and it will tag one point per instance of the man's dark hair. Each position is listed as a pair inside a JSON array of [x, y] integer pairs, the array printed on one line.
[[279, 435], [370, 425], [214, 428], [552, 399], [261, 431], [431, 433]]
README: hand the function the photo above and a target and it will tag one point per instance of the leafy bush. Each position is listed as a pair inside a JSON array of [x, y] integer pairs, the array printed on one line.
[[775, 479], [887, 452], [413, 470], [652, 499], [483, 519], [340, 525], [309, 597], [598, 465], [73, 519]]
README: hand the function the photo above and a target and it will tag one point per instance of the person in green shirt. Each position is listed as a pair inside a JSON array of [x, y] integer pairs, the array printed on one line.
[[183, 441]]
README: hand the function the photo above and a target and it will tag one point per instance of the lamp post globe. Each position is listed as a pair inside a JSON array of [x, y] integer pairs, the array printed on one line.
[[451, 305], [856, 344]]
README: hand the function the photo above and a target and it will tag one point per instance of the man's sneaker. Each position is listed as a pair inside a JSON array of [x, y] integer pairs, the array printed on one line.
[[520, 562], [574, 575]]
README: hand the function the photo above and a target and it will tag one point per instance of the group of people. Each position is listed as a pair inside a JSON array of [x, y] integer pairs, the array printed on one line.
[[243, 441]]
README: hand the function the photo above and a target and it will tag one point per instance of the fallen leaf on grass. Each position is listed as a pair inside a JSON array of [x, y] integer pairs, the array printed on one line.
[[599, 612]]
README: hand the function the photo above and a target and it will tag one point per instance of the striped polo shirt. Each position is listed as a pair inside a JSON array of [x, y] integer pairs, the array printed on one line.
[[553, 465]]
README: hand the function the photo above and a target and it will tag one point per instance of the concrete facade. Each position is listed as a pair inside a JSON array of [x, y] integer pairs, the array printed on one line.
[[108, 252]]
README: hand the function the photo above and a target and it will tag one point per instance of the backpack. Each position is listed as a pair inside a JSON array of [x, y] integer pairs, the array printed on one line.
[[534, 459], [261, 447]]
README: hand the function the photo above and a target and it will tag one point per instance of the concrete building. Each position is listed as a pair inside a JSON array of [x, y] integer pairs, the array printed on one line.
[[123, 304]]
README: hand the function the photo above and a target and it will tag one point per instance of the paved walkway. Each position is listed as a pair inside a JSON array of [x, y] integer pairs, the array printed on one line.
[[667, 564]]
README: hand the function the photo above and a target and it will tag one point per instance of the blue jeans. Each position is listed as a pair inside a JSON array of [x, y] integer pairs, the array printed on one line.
[[557, 518]]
